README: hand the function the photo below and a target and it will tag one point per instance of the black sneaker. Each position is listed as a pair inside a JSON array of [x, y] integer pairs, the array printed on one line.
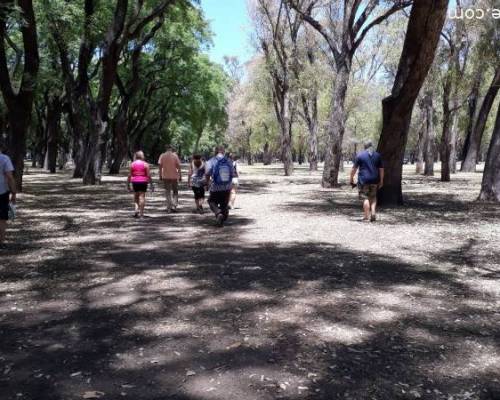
[[220, 220]]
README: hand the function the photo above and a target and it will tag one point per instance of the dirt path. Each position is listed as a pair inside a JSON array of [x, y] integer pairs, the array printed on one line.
[[293, 299]]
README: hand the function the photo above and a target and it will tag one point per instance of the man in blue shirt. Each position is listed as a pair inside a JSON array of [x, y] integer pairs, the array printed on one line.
[[219, 178], [370, 179]]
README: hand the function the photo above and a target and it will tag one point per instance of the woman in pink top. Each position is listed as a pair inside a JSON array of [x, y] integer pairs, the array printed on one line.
[[139, 176]]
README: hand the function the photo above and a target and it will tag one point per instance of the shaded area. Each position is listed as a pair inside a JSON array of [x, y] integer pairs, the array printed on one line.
[[172, 307]]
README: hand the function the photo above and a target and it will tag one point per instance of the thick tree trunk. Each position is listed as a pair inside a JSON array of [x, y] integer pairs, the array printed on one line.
[[470, 160], [336, 127], [422, 35], [19, 102], [430, 143], [490, 188]]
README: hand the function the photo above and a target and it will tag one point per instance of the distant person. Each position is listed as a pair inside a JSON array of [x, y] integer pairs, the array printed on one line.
[[170, 174], [370, 179], [219, 176], [196, 181], [7, 190], [139, 176], [232, 198]]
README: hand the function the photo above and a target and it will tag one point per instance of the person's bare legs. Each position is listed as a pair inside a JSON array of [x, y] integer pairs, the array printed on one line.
[[3, 228], [232, 198], [168, 194], [366, 209], [373, 209], [141, 203], [136, 203]]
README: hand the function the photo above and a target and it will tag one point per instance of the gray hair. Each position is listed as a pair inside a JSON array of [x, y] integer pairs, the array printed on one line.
[[368, 144]]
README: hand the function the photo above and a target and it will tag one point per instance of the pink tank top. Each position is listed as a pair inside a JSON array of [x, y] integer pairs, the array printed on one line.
[[139, 172]]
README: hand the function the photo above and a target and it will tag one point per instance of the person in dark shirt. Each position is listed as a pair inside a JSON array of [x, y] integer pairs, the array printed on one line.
[[370, 179]]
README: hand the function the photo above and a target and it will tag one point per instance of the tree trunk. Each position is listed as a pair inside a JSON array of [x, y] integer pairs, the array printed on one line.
[[267, 156], [336, 127], [120, 143], [422, 35], [54, 110], [472, 110], [470, 160], [430, 143], [490, 188], [422, 139], [286, 135], [20, 102]]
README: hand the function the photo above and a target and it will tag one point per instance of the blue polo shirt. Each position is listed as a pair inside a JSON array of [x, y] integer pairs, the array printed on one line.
[[368, 164]]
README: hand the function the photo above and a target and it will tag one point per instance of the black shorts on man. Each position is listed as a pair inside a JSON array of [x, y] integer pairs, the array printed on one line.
[[4, 206], [199, 192]]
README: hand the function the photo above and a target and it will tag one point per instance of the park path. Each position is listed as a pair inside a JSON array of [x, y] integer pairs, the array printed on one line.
[[294, 299]]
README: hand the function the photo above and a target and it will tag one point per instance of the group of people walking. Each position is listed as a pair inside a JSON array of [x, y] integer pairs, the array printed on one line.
[[219, 175]]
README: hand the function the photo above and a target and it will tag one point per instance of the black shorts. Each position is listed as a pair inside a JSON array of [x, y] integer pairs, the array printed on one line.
[[4, 206], [199, 192], [140, 187]]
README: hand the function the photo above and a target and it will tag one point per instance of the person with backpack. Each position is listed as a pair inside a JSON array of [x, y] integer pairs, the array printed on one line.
[[370, 179], [196, 181], [219, 172], [139, 176]]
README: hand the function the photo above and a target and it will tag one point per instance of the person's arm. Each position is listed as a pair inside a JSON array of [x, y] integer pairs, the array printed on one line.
[[353, 173], [381, 173], [179, 168], [12, 185], [160, 168], [129, 177], [190, 173], [148, 172]]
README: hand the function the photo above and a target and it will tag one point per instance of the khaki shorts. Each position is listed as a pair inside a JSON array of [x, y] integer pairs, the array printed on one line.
[[368, 192]]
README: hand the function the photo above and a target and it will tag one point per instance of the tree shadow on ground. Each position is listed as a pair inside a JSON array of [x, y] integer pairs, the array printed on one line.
[[308, 321]]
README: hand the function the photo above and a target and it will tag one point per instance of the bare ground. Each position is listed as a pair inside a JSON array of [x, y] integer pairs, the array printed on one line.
[[293, 299]]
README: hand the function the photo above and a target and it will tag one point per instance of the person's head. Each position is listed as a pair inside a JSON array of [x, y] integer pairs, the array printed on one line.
[[220, 150], [169, 147], [368, 145], [197, 160], [139, 155]]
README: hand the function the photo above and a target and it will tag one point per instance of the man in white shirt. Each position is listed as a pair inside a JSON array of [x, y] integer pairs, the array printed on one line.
[[7, 189]]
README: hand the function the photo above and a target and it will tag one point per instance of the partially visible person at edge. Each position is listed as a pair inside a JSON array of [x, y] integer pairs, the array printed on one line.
[[370, 179], [219, 177], [139, 176], [196, 181], [170, 174], [232, 198], [7, 190]]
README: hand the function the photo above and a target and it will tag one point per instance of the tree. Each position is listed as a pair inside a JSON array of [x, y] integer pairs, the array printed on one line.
[[470, 160], [19, 102], [421, 40], [490, 187], [347, 27]]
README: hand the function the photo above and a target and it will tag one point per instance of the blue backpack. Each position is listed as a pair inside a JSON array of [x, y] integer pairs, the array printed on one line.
[[223, 172]]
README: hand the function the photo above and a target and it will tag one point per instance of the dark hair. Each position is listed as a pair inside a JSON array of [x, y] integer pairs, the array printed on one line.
[[219, 149], [3, 143], [197, 160]]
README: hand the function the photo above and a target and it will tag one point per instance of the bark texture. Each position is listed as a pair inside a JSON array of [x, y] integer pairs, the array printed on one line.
[[422, 36], [490, 188]]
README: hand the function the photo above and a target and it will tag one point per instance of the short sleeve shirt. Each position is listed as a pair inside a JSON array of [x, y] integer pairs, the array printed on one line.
[[5, 166], [369, 164], [209, 167], [170, 164]]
